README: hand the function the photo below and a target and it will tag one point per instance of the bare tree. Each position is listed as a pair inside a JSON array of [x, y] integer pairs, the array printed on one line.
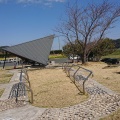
[[88, 25]]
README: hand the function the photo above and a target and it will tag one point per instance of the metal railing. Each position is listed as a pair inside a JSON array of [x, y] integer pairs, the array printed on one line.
[[78, 74], [20, 89], [65, 65]]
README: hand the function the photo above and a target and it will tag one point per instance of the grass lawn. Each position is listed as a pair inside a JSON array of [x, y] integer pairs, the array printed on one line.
[[112, 56], [109, 77], [2, 58], [51, 56], [53, 89], [5, 76], [115, 54]]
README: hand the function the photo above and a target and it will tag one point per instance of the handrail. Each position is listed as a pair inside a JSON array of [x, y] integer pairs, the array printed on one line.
[[17, 87], [27, 79], [82, 76], [29, 89], [67, 64], [63, 65], [22, 76], [69, 70], [75, 73]]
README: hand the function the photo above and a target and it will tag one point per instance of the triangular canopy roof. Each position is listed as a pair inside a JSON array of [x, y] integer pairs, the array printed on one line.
[[37, 50]]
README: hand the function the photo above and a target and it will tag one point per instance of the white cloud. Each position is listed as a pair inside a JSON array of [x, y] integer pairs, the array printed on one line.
[[44, 2], [39, 1], [56, 0], [29, 1]]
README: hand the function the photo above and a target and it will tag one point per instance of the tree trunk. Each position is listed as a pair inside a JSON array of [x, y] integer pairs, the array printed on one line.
[[97, 58], [83, 58]]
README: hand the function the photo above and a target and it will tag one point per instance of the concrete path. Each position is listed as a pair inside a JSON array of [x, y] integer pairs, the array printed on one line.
[[102, 102], [3, 85], [27, 112], [14, 79]]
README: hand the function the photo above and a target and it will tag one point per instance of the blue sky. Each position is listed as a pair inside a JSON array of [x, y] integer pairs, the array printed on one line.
[[25, 20]]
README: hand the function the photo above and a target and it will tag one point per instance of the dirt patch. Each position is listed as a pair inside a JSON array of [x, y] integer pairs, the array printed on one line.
[[52, 88]]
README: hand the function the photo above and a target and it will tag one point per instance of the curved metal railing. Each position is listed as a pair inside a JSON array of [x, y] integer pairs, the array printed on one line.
[[78, 74], [20, 88]]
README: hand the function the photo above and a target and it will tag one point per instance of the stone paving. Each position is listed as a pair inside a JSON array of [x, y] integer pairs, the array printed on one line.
[[102, 102], [93, 109], [10, 104]]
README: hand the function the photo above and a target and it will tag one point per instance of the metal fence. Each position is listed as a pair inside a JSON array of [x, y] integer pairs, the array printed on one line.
[[22, 87], [78, 74]]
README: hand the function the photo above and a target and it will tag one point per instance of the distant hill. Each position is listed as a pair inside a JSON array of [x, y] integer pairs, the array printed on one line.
[[117, 43], [2, 47]]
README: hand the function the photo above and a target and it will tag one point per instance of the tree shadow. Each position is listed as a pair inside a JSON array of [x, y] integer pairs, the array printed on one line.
[[111, 66], [117, 72]]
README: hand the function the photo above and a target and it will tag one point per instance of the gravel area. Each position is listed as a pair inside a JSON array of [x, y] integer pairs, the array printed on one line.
[[10, 104]]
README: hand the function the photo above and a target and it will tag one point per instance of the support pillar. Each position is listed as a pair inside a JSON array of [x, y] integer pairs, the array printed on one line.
[[5, 59]]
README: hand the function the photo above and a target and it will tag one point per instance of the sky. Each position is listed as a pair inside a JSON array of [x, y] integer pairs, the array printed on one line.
[[26, 20]]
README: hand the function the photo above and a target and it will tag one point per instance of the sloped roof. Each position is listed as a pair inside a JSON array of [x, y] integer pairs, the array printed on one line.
[[37, 50]]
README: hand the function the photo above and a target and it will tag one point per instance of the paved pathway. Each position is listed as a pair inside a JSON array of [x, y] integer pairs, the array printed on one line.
[[27, 112], [102, 102], [8, 86]]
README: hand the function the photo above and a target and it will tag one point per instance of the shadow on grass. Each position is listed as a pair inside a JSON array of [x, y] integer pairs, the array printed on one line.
[[117, 72], [111, 66]]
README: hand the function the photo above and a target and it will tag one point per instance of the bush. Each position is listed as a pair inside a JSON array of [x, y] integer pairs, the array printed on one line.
[[56, 52]]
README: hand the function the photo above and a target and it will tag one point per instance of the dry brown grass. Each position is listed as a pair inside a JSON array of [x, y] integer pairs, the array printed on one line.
[[5, 76], [52, 88], [108, 76]]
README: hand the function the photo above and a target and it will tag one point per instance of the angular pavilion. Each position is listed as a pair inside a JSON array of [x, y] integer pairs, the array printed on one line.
[[36, 50]]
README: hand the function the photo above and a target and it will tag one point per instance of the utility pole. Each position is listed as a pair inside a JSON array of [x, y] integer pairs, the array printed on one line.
[[59, 42]]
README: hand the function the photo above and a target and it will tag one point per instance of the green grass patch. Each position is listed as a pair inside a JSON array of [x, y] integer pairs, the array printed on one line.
[[56, 56], [1, 92], [115, 54], [112, 56], [2, 58]]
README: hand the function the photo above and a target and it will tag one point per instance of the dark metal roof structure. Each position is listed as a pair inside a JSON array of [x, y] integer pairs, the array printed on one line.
[[37, 50]]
